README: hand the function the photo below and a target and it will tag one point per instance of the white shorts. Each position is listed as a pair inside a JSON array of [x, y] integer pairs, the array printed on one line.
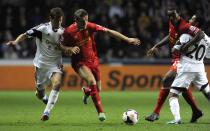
[[184, 79], [43, 75]]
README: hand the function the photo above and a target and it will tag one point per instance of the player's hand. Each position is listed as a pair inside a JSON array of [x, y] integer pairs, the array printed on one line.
[[72, 50], [11, 43], [151, 51], [134, 41], [75, 50]]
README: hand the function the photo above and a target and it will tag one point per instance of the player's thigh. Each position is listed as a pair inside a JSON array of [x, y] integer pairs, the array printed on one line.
[[169, 78], [86, 73], [183, 79], [201, 80], [41, 79]]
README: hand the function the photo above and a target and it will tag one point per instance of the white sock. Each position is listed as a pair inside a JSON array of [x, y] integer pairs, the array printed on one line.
[[174, 107], [52, 100]]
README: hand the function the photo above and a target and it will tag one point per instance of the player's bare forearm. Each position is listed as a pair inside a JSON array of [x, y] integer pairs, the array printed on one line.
[[117, 35], [154, 49], [19, 39], [200, 35], [162, 42], [70, 50]]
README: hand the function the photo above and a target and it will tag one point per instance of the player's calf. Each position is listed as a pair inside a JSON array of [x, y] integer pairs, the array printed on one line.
[[206, 91], [42, 96]]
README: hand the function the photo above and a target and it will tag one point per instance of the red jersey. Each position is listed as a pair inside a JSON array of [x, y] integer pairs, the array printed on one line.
[[84, 39], [175, 32]]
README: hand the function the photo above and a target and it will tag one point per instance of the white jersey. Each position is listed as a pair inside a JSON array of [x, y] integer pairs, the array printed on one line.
[[48, 53], [192, 61]]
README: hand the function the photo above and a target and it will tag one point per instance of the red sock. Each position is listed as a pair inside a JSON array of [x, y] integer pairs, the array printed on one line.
[[163, 93], [190, 100], [96, 98], [87, 91]]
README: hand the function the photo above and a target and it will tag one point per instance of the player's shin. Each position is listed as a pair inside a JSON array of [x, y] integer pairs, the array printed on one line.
[[187, 94], [96, 98], [163, 93], [53, 97], [174, 107]]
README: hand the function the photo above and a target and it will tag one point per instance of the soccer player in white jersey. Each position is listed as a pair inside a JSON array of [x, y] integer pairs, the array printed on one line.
[[48, 58], [190, 70]]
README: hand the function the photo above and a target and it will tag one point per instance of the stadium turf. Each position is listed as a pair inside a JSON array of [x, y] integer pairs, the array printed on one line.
[[21, 111]]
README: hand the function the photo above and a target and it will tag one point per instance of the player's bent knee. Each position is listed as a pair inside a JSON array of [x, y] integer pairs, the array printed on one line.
[[56, 84], [91, 81]]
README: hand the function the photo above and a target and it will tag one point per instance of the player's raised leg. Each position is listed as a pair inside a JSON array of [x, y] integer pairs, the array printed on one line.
[[41, 84], [40, 94], [86, 74], [86, 90], [163, 93], [56, 85]]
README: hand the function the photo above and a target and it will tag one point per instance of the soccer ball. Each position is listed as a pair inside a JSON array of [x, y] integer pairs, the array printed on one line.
[[130, 117]]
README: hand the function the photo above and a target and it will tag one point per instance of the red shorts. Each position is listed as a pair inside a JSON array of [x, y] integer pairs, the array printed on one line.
[[174, 65], [94, 67]]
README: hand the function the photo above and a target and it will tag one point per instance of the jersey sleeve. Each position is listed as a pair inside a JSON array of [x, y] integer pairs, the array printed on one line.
[[96, 28], [189, 29], [36, 31]]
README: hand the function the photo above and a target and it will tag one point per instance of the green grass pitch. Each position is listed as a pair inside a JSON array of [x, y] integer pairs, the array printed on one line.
[[21, 111]]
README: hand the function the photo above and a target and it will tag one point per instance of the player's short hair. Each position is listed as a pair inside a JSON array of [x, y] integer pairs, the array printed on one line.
[[56, 13], [80, 13]]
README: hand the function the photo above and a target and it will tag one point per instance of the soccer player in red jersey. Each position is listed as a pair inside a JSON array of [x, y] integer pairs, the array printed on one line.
[[78, 40], [177, 26]]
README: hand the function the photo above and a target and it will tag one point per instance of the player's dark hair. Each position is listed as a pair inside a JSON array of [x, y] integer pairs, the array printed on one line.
[[56, 13], [171, 13], [199, 20], [80, 13]]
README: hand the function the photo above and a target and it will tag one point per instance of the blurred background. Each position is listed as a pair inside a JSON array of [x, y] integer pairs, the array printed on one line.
[[145, 20]]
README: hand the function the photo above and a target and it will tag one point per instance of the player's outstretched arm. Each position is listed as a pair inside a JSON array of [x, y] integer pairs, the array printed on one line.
[[118, 35], [163, 42], [200, 35], [19, 39], [69, 50]]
